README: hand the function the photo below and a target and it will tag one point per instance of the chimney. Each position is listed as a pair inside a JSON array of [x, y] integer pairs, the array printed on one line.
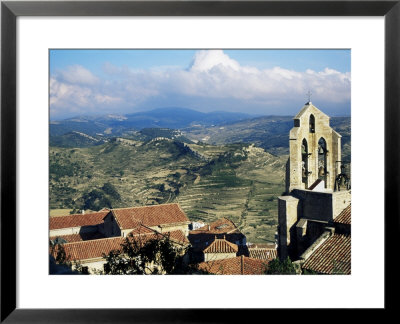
[[242, 263], [83, 212]]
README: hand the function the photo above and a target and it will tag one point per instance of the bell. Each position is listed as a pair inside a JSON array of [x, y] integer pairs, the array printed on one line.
[[321, 172], [320, 150]]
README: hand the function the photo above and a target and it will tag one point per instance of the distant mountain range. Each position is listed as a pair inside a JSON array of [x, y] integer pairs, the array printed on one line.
[[112, 125], [188, 126]]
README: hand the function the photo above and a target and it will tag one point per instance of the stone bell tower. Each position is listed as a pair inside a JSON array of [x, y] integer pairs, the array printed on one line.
[[315, 151], [313, 170]]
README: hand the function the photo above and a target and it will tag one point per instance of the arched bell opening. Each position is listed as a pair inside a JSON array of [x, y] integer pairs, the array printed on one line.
[[312, 123], [322, 160], [304, 163]]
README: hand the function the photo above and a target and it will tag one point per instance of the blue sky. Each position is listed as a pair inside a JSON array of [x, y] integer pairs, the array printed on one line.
[[262, 82]]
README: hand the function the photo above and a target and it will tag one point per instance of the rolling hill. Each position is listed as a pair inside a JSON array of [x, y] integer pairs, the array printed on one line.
[[209, 181]]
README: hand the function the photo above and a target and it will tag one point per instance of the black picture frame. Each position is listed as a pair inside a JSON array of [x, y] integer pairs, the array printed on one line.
[[10, 10]]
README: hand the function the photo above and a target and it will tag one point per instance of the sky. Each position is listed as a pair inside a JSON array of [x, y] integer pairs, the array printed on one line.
[[257, 82]]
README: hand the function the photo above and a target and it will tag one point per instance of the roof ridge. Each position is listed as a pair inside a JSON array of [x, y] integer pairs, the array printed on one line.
[[143, 206], [97, 212]]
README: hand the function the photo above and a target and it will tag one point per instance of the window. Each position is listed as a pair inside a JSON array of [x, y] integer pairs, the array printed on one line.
[[322, 160], [312, 124], [304, 162]]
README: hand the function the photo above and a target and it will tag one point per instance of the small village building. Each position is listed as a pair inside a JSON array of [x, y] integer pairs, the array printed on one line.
[[220, 249], [86, 238], [161, 218], [90, 254], [223, 228]]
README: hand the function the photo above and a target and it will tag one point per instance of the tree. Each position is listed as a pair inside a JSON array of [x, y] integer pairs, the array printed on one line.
[[140, 255], [60, 262], [109, 189], [281, 267]]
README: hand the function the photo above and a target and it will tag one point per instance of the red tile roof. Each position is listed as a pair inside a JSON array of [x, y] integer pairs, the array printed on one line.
[[68, 238], [221, 246], [235, 266], [344, 217], [333, 256], [92, 249], [77, 220], [149, 215], [263, 253], [79, 237], [178, 236], [219, 226]]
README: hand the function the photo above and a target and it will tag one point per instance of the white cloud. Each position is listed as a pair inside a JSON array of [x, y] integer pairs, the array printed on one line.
[[77, 74], [205, 60], [212, 77]]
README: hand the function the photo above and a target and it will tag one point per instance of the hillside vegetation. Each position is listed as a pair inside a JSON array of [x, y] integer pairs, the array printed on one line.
[[235, 180]]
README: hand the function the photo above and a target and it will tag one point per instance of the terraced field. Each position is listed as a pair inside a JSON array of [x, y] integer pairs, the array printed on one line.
[[237, 181], [246, 194]]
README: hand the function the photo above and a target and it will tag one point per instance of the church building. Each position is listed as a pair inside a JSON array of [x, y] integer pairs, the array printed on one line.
[[317, 189]]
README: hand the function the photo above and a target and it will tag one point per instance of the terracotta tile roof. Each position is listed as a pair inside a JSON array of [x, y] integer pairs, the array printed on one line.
[[263, 253], [68, 238], [345, 216], [221, 246], [149, 215], [333, 256], [77, 220], [79, 237], [178, 236], [219, 226], [141, 230], [92, 249], [235, 266]]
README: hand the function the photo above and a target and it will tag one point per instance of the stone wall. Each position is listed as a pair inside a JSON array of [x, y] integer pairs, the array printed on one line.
[[218, 256], [314, 204], [184, 227], [287, 217]]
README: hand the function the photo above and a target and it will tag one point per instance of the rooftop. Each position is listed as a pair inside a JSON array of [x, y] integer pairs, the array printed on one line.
[[235, 266], [263, 253], [92, 249], [344, 217], [221, 246], [77, 220], [309, 106], [332, 257], [220, 226], [128, 218], [78, 237]]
